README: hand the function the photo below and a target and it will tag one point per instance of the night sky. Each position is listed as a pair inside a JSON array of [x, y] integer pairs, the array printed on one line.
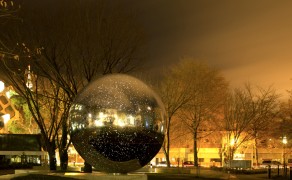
[[248, 40]]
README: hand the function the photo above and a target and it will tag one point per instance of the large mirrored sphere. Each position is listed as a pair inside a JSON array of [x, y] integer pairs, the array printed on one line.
[[117, 124]]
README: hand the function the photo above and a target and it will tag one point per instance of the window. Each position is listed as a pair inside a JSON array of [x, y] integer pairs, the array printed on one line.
[[215, 160], [201, 159]]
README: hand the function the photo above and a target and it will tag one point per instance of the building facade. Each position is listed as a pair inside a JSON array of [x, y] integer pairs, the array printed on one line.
[[21, 149]]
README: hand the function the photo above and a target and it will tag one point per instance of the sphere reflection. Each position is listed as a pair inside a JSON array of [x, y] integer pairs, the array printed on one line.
[[117, 124]]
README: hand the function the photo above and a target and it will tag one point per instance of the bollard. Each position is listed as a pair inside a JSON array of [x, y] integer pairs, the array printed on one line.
[[290, 173], [269, 171], [278, 170]]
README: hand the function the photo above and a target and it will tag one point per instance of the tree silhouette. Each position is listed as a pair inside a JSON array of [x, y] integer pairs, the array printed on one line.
[[67, 44]]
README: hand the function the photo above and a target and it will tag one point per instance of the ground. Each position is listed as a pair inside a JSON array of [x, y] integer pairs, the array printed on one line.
[[204, 173]]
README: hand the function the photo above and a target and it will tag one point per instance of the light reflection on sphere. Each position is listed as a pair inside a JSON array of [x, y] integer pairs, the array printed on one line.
[[117, 124]]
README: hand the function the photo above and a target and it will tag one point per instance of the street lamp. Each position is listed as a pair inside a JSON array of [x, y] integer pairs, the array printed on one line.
[[284, 160], [285, 140], [231, 150]]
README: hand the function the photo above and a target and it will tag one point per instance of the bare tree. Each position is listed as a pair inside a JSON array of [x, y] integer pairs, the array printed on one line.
[[266, 110], [246, 113], [43, 100], [283, 126], [68, 44], [173, 92], [203, 89], [8, 12], [7, 9]]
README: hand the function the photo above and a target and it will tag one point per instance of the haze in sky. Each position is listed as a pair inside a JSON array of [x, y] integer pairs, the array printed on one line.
[[248, 40]]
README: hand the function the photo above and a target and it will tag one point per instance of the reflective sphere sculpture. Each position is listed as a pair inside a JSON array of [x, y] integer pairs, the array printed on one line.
[[117, 124]]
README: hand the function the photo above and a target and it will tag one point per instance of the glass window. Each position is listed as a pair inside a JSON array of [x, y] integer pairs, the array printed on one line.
[[201, 159], [215, 160]]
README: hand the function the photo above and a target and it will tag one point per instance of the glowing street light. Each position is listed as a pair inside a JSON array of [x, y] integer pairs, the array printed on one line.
[[232, 142], [2, 86], [285, 140], [6, 118]]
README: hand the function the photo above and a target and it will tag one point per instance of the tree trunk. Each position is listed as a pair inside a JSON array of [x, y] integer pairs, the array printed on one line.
[[167, 159], [166, 154], [221, 155], [63, 151], [233, 149], [196, 162], [230, 155], [52, 156], [256, 151], [167, 144], [64, 160]]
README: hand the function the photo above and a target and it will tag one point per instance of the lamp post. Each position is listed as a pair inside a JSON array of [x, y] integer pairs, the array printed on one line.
[[284, 149], [231, 151]]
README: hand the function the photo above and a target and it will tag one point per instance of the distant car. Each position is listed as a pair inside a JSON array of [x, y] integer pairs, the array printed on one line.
[[273, 164], [163, 164], [188, 164]]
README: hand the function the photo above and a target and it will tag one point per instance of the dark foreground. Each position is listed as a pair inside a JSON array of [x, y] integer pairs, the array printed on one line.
[[150, 177], [171, 174]]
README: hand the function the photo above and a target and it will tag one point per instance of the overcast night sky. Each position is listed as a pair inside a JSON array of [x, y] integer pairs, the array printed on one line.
[[248, 40]]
